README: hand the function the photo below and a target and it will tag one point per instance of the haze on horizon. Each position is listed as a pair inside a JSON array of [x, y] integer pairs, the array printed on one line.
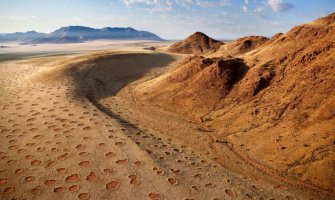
[[170, 19]]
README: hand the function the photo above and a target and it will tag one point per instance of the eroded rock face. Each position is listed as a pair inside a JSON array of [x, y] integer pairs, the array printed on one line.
[[198, 43]]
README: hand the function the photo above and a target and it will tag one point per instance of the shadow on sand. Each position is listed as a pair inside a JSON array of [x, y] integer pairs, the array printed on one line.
[[106, 75]]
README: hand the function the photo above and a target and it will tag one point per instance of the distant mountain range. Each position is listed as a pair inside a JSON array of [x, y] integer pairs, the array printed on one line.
[[77, 34]]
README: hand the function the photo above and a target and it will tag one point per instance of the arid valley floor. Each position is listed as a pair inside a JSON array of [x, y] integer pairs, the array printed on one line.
[[97, 122]]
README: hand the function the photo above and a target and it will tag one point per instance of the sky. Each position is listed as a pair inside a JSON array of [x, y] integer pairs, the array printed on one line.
[[169, 19]]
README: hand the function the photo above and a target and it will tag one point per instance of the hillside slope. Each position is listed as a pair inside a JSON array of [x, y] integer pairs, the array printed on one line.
[[279, 111], [241, 46], [196, 85]]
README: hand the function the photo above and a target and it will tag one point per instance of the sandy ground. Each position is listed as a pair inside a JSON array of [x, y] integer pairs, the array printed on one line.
[[66, 134], [16, 51]]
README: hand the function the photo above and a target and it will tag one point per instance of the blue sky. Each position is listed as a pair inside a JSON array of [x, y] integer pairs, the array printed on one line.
[[170, 19]]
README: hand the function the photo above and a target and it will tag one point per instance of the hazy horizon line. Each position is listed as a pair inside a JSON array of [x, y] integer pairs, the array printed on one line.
[[165, 38]]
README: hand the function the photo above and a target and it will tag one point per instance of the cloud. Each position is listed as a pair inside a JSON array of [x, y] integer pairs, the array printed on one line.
[[254, 7], [211, 3], [280, 5], [259, 10], [20, 18], [151, 5], [131, 2], [160, 9], [245, 9], [167, 5]]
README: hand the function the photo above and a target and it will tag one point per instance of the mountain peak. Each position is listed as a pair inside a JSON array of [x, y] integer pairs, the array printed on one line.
[[74, 28], [118, 28], [199, 34], [71, 34], [197, 43], [130, 29]]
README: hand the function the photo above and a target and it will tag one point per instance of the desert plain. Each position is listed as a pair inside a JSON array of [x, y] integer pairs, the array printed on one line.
[[147, 120]]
